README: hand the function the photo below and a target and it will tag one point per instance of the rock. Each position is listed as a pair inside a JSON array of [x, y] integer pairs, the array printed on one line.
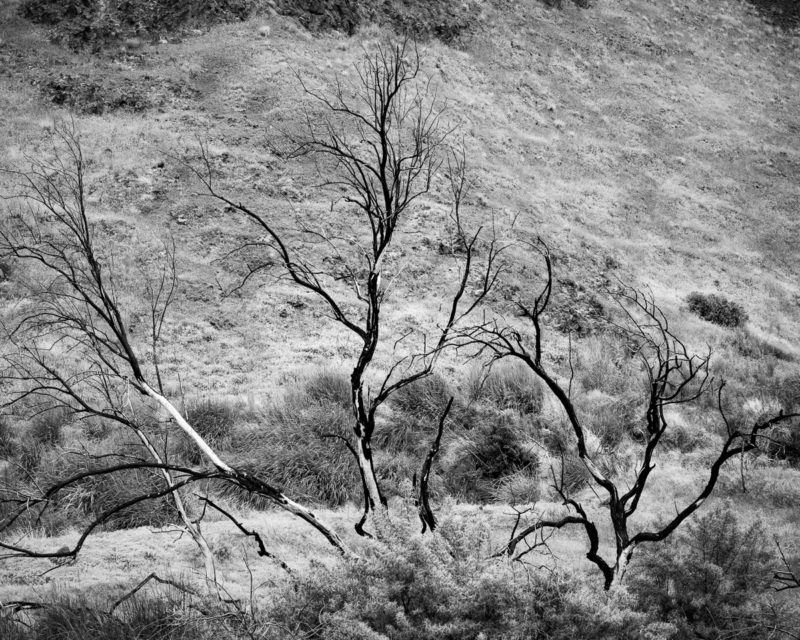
[[264, 31]]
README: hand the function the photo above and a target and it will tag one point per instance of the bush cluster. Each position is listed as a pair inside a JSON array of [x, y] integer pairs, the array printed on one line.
[[716, 309], [711, 579], [443, 586]]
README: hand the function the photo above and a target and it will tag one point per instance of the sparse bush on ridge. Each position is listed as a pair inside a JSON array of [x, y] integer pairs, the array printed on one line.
[[96, 24], [717, 309]]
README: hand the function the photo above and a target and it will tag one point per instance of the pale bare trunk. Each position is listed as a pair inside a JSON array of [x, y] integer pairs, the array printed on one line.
[[191, 527]]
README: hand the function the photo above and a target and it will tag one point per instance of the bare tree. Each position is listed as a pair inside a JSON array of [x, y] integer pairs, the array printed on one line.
[[675, 376], [381, 142], [71, 344]]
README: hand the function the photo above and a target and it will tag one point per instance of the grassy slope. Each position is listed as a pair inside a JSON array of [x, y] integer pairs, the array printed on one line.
[[652, 141]]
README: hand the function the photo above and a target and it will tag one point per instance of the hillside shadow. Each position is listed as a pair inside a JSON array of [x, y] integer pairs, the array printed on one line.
[[782, 13]]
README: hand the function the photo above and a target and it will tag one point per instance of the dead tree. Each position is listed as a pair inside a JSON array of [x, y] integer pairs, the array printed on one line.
[[675, 376], [70, 343], [380, 142]]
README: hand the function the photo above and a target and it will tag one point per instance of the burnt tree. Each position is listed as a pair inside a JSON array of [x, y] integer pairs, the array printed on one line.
[[674, 376]]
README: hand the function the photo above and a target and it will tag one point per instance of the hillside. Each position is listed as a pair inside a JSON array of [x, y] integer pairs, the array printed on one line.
[[655, 144], [647, 141]]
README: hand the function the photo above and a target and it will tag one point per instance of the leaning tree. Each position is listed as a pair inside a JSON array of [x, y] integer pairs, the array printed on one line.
[[675, 376], [70, 343]]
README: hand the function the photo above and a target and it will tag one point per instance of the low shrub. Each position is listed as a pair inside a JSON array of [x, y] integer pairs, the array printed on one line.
[[424, 19], [442, 586], [752, 346], [710, 578], [787, 392], [329, 387], [716, 309]]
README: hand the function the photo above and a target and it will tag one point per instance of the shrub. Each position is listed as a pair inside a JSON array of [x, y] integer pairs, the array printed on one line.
[[92, 96], [787, 392], [608, 417], [443, 20], [716, 309], [754, 347], [710, 578], [442, 586]]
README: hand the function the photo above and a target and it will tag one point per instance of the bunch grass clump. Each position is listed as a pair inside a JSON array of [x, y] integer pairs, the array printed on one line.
[[508, 385]]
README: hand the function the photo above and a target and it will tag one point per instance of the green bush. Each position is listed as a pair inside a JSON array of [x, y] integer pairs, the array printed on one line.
[[716, 309]]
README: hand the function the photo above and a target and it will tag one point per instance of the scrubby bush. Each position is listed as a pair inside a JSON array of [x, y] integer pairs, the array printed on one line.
[[84, 501], [716, 309], [710, 579], [787, 392], [442, 586], [416, 410]]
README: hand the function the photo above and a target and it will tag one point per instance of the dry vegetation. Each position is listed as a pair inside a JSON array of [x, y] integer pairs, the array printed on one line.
[[650, 143]]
